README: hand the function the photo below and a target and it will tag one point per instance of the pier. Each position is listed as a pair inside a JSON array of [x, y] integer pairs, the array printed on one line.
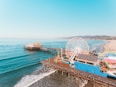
[[76, 60], [49, 49], [38, 47], [63, 67]]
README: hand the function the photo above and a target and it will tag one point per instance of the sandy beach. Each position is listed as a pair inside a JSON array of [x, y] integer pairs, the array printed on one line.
[[59, 80], [110, 46], [56, 79]]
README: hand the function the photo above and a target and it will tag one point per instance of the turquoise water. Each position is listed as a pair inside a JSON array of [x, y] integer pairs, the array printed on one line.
[[15, 62]]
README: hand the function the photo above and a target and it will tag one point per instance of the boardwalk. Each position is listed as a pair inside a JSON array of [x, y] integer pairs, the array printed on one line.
[[103, 82], [49, 49]]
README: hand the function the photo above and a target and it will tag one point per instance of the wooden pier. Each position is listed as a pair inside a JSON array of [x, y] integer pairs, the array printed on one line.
[[49, 49], [97, 80]]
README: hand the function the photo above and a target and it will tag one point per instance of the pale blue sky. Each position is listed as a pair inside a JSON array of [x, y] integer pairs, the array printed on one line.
[[56, 18]]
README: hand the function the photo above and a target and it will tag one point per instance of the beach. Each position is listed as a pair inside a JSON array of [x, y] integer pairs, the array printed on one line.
[[58, 79], [110, 46], [46, 77]]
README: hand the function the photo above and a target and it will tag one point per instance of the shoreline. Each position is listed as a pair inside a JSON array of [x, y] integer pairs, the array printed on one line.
[[110, 46], [37, 75], [53, 79], [59, 79], [43, 75]]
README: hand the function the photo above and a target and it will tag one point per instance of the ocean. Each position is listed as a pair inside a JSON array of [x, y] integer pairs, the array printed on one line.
[[16, 62]]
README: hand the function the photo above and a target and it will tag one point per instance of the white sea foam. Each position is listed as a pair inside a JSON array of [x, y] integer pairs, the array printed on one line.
[[28, 80]]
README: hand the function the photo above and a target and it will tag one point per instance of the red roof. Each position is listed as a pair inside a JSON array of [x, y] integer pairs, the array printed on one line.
[[110, 60]]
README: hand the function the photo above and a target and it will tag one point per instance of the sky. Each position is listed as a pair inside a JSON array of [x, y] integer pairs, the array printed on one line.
[[56, 18]]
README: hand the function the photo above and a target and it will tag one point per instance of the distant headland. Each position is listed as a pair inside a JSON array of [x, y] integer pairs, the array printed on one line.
[[97, 37]]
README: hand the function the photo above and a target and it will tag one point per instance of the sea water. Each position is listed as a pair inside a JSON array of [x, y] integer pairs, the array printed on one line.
[[16, 62]]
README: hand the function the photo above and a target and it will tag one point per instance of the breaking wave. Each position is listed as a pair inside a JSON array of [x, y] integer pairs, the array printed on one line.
[[28, 80]]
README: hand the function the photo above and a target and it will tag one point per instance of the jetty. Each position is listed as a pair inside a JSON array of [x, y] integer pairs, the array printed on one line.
[[63, 67], [38, 47]]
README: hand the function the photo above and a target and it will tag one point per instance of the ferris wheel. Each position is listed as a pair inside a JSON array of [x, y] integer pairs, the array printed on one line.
[[76, 46]]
